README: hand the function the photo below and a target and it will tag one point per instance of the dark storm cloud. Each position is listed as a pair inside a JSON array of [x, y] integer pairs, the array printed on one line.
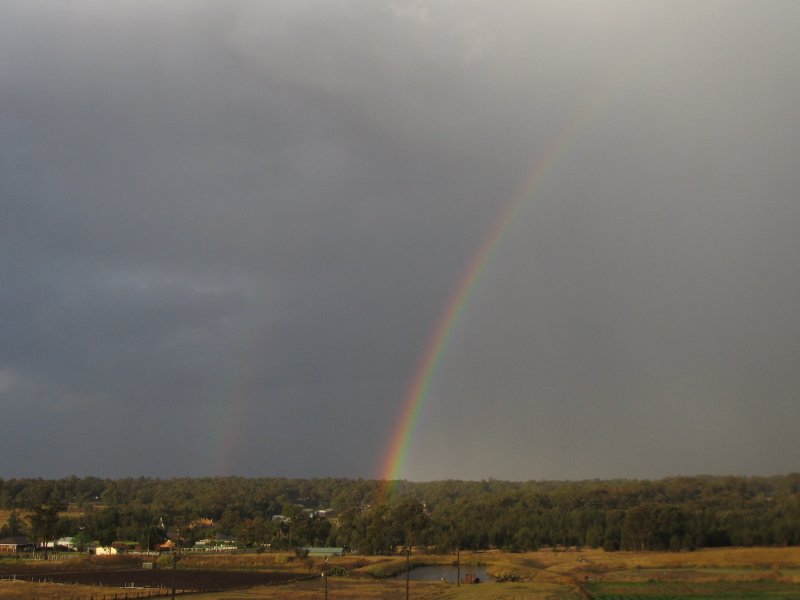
[[266, 206]]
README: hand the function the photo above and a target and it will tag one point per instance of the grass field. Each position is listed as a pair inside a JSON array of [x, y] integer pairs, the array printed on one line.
[[22, 515], [768, 573], [362, 589], [656, 590], [24, 590]]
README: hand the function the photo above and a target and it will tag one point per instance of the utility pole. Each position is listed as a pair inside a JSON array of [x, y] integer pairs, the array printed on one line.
[[174, 561], [175, 549], [408, 565], [458, 553], [458, 564], [325, 576]]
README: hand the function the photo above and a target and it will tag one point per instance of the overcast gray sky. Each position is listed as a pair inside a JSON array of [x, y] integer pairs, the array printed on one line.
[[229, 229]]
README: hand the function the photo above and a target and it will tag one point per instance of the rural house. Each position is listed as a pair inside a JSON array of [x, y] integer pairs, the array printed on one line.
[[15, 544]]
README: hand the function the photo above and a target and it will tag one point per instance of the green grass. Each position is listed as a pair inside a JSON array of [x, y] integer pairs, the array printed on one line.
[[789, 571], [662, 590]]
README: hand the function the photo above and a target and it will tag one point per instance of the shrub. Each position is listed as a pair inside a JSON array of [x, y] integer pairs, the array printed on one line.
[[164, 561], [504, 576]]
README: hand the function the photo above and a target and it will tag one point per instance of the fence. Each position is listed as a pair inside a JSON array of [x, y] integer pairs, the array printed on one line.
[[39, 555], [117, 596], [119, 593]]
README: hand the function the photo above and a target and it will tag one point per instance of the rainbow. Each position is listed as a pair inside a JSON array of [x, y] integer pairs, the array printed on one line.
[[233, 413], [228, 424], [396, 456]]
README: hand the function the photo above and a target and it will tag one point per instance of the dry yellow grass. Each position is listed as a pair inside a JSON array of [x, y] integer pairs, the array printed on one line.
[[22, 515], [555, 574], [737, 558], [338, 589], [24, 590], [5, 514], [537, 584], [282, 561], [361, 589], [546, 575]]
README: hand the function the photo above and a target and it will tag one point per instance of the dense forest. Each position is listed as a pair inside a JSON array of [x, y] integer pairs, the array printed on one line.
[[679, 513]]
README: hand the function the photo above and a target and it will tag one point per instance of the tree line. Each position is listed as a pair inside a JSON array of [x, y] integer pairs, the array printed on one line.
[[678, 513]]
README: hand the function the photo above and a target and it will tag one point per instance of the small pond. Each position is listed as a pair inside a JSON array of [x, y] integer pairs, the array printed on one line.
[[446, 572]]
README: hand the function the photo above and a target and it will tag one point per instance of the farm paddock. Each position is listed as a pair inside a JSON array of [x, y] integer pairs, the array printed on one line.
[[565, 574]]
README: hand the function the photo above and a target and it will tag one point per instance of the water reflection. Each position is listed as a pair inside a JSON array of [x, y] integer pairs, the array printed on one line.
[[447, 573]]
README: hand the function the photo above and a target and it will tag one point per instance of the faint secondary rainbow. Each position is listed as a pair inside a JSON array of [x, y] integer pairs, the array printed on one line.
[[234, 411], [230, 418], [397, 453]]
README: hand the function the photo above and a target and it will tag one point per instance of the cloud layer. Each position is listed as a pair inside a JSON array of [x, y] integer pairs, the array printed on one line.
[[229, 229]]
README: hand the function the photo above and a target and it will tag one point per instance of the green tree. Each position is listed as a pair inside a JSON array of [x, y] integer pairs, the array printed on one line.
[[44, 522], [81, 541], [377, 537], [150, 536], [299, 525], [654, 527], [409, 521], [260, 530], [638, 528]]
